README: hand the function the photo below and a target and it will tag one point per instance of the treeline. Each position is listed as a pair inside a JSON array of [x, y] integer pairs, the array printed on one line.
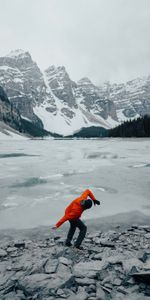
[[136, 128]]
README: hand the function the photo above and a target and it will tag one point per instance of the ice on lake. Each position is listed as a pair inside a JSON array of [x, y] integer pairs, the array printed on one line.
[[39, 178]]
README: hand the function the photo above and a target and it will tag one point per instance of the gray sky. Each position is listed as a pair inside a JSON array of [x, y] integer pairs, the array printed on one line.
[[101, 39]]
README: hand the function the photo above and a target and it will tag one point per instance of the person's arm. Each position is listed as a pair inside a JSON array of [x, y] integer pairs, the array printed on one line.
[[69, 216], [88, 193], [61, 221]]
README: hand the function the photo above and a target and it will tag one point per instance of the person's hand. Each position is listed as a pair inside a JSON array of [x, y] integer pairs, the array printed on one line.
[[96, 202], [54, 227]]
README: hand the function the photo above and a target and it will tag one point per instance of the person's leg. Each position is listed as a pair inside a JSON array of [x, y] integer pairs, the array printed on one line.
[[70, 233], [82, 227]]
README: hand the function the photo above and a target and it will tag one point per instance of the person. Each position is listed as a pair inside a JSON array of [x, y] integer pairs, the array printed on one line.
[[73, 213]]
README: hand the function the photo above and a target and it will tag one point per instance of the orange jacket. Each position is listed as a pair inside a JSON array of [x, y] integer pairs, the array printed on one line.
[[74, 210]]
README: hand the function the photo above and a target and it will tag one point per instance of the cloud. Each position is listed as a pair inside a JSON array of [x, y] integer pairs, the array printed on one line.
[[101, 39]]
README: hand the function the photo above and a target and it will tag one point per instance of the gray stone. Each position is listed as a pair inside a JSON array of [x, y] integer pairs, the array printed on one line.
[[142, 276], [19, 244], [103, 274], [51, 266], [87, 269], [81, 294], [128, 264], [145, 227], [63, 269], [64, 260], [11, 249], [107, 243], [100, 294], [97, 256], [91, 288], [44, 283], [84, 281], [3, 253], [117, 282], [147, 235]]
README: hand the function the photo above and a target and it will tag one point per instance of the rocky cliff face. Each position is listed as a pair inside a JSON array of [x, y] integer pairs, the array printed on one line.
[[53, 101], [23, 82], [131, 99], [8, 114]]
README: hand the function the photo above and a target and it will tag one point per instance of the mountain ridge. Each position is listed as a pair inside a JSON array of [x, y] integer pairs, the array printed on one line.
[[54, 102]]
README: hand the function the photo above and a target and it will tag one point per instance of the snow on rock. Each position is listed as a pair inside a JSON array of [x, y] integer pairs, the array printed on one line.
[[63, 106], [9, 135]]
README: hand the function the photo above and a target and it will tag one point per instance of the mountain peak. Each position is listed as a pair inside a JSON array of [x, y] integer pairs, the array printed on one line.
[[85, 81], [18, 53]]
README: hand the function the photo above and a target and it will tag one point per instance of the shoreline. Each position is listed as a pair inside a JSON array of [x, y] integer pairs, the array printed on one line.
[[122, 221]]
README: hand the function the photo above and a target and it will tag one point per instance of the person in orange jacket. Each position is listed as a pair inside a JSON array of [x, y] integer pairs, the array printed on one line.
[[73, 213]]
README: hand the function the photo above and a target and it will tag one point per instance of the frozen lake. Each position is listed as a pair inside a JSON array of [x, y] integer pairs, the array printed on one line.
[[38, 179]]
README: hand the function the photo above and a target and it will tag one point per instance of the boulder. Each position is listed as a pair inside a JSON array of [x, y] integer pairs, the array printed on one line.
[[44, 283], [3, 253], [142, 277], [100, 294], [51, 266], [88, 269], [64, 260], [84, 281], [19, 244], [128, 264]]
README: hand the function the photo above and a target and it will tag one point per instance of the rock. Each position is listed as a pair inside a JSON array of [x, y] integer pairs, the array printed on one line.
[[142, 277], [103, 274], [11, 249], [147, 235], [128, 264], [81, 294], [116, 259], [6, 281], [3, 253], [19, 244], [97, 240], [122, 290], [107, 243], [91, 288], [147, 265], [51, 266], [14, 296], [97, 257], [100, 294], [38, 266], [87, 269], [142, 255], [64, 260], [145, 227], [60, 292], [117, 282], [63, 269], [84, 281], [44, 283]]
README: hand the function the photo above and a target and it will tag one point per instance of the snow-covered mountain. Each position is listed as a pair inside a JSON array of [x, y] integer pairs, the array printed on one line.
[[50, 99]]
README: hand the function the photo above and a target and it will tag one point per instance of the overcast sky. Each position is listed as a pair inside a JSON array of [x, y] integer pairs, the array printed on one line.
[[100, 39]]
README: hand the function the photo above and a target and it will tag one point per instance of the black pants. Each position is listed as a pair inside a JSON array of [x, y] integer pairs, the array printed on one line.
[[73, 225]]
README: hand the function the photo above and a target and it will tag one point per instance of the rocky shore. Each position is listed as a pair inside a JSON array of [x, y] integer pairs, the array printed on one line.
[[115, 264]]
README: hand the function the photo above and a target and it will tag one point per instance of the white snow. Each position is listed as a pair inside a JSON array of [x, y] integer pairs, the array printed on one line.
[[18, 80], [25, 118], [11, 136]]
